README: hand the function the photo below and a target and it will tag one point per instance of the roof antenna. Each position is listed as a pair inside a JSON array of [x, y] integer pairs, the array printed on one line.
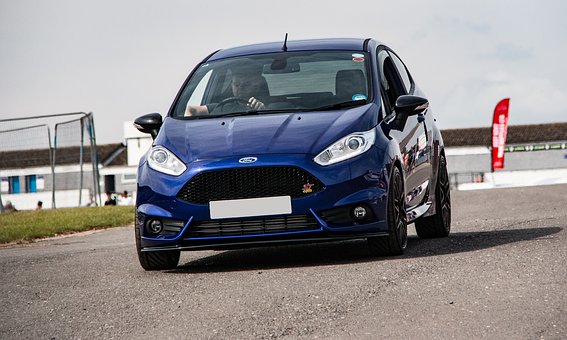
[[284, 48]]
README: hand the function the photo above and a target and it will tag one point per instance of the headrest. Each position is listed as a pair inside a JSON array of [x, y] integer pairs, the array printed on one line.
[[349, 83]]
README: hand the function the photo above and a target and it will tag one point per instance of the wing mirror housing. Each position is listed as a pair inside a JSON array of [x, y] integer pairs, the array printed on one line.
[[408, 105], [150, 123], [411, 105]]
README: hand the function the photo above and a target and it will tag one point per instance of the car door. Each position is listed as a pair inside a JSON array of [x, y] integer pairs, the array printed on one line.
[[412, 137]]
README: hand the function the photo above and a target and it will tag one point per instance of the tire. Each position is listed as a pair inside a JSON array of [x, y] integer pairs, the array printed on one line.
[[396, 241], [156, 260], [438, 225]]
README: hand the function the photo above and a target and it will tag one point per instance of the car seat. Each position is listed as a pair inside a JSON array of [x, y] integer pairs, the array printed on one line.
[[349, 83]]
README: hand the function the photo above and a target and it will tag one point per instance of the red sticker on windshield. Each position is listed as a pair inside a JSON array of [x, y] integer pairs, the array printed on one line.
[[358, 59]]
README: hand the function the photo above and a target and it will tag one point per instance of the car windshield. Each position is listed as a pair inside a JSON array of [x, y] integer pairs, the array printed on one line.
[[276, 82]]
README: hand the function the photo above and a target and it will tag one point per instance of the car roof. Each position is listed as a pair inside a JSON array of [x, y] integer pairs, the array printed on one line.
[[348, 44]]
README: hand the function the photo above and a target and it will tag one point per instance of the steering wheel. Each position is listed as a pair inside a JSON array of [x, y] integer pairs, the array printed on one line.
[[236, 100]]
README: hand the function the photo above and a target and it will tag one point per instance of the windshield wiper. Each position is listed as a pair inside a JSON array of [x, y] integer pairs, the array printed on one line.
[[350, 103], [230, 114], [234, 114], [250, 113]]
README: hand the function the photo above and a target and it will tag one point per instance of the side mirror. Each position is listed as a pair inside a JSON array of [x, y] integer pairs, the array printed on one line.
[[411, 105], [150, 123], [406, 106]]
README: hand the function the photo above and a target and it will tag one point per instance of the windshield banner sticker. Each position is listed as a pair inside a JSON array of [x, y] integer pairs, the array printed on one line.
[[358, 96]]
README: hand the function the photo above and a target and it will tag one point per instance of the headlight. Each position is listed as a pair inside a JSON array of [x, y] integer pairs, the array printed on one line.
[[347, 147], [163, 160]]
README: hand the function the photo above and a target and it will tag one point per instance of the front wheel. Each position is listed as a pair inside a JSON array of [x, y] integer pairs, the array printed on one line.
[[438, 225], [396, 241], [156, 260]]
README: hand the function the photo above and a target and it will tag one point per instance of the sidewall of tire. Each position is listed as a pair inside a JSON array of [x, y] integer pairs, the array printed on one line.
[[434, 226], [390, 245], [155, 260]]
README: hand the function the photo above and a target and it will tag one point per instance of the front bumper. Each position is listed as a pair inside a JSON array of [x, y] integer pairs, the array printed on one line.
[[322, 216]]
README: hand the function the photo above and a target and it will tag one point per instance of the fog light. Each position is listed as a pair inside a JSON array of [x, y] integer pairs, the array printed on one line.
[[155, 226], [359, 213]]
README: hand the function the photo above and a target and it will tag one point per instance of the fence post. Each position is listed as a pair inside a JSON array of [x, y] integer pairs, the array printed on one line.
[[81, 164], [52, 161], [94, 159]]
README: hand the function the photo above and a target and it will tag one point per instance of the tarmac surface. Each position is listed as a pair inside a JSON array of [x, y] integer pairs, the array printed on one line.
[[501, 274]]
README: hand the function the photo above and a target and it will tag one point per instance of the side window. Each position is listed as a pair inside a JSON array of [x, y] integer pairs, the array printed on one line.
[[199, 92], [206, 86], [392, 85], [403, 72]]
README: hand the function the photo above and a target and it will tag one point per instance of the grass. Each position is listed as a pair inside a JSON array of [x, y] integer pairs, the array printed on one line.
[[25, 226]]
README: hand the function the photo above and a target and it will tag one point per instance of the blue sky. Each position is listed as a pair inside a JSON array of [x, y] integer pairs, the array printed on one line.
[[122, 59]]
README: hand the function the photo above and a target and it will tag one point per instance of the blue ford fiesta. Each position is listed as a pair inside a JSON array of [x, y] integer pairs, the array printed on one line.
[[300, 141]]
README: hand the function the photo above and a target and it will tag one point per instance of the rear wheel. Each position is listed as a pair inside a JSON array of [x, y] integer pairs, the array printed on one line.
[[438, 225], [156, 260], [396, 241]]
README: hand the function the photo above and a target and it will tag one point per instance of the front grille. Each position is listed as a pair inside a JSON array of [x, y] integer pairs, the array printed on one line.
[[240, 183], [267, 225]]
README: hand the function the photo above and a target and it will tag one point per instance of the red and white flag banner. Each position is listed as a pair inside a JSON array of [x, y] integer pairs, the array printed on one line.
[[499, 131]]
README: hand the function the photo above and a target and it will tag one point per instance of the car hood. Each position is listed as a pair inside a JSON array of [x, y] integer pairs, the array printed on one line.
[[277, 133]]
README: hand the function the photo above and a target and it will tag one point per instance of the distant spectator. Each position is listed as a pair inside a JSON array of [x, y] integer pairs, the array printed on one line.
[[91, 202], [125, 199], [110, 200], [9, 207], [39, 205]]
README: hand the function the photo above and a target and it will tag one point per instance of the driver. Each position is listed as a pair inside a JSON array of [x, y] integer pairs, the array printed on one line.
[[244, 86]]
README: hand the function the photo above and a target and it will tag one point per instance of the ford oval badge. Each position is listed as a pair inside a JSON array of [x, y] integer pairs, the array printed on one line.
[[247, 160]]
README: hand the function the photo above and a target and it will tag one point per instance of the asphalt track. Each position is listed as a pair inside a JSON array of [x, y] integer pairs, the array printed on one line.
[[502, 274]]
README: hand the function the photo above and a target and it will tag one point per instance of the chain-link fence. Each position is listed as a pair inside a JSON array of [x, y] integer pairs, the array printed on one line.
[[50, 159]]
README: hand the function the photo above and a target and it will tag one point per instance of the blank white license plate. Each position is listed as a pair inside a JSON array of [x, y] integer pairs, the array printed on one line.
[[250, 207]]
